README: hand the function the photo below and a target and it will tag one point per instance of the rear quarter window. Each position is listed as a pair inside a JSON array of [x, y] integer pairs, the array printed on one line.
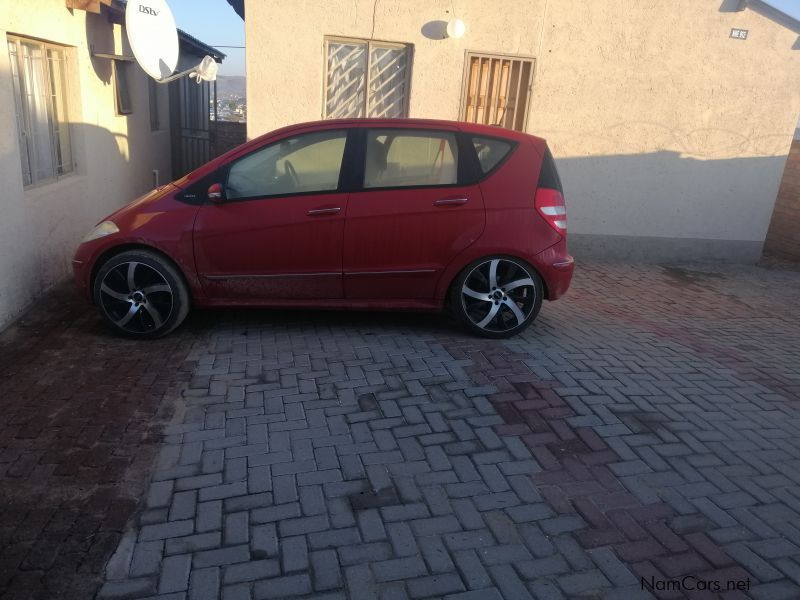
[[490, 151]]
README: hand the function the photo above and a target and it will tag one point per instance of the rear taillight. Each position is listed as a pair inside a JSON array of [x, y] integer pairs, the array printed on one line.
[[550, 204], [549, 200]]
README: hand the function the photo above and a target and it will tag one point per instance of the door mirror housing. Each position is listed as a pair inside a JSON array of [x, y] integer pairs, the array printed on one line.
[[215, 193]]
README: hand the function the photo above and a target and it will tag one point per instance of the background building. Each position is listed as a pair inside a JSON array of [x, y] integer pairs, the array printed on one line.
[[84, 131], [671, 121]]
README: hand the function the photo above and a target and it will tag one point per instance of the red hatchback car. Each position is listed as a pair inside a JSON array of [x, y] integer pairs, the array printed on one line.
[[387, 214]]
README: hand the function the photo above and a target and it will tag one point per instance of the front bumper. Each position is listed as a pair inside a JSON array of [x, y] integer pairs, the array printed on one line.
[[81, 271]]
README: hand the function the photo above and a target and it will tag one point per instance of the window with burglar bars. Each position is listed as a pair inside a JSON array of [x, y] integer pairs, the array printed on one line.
[[497, 90], [366, 79], [38, 74]]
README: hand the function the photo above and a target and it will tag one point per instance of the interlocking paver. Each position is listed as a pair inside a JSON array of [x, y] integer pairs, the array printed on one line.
[[646, 425]]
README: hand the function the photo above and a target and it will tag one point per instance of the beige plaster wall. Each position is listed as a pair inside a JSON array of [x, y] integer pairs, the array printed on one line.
[[665, 128], [114, 155]]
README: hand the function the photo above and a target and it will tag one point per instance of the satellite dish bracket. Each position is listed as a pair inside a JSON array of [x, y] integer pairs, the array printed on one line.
[[174, 76]]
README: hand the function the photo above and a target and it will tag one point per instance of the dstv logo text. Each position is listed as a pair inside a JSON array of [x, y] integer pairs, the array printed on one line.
[[147, 10]]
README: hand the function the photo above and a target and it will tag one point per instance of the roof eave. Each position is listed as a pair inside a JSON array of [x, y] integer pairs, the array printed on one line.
[[238, 6], [774, 14]]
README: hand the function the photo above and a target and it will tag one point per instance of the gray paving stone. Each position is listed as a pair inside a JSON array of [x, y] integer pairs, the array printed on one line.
[[334, 538], [166, 530], [146, 559], [364, 553], [204, 584], [222, 556], [193, 543], [398, 568], [237, 528], [294, 554], [371, 525], [402, 539], [436, 555], [435, 586], [250, 571], [326, 570], [303, 525], [279, 587], [275, 513], [491, 593], [175, 574], [209, 516]]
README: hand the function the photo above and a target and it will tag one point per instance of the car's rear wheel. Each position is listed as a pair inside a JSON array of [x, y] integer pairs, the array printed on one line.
[[497, 296], [141, 294]]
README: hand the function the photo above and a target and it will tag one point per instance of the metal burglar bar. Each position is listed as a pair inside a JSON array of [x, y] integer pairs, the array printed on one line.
[[497, 90], [388, 75], [366, 79], [346, 81]]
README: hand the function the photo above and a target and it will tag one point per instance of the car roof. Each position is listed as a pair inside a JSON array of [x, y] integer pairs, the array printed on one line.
[[476, 128]]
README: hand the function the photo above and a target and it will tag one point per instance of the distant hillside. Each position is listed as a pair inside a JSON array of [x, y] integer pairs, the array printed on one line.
[[230, 85]]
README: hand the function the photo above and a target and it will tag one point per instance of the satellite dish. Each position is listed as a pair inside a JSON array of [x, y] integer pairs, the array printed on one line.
[[153, 36], [456, 28]]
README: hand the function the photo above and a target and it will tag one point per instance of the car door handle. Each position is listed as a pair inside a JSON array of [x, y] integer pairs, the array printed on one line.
[[450, 202], [316, 212]]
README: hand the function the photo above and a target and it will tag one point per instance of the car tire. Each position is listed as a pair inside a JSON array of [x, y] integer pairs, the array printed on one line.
[[141, 294], [497, 296]]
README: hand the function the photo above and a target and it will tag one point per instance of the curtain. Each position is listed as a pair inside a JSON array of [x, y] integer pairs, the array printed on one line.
[[39, 124], [18, 104]]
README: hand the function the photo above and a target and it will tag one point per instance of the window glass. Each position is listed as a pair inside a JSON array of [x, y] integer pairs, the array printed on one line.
[[497, 90], [122, 79], [306, 163], [153, 95], [355, 65], [61, 141], [400, 158], [38, 74], [490, 152]]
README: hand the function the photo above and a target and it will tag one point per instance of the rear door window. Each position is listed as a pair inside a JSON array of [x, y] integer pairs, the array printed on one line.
[[491, 151], [406, 158]]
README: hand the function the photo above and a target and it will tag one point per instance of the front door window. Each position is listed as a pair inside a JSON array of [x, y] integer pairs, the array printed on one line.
[[307, 163]]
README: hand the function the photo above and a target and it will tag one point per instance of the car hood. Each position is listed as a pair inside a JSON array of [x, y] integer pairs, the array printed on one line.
[[141, 202]]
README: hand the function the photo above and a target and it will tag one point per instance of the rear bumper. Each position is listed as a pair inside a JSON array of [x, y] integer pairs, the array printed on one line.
[[556, 266]]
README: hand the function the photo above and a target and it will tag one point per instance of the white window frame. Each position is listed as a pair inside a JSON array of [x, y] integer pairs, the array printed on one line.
[[21, 104], [369, 44]]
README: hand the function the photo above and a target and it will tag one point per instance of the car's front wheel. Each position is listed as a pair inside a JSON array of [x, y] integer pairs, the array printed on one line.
[[141, 294], [497, 296]]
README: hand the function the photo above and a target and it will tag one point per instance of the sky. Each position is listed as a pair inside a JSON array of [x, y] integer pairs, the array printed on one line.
[[790, 7], [215, 23]]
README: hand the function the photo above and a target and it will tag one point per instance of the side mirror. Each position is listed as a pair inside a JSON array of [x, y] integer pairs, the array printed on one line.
[[215, 193]]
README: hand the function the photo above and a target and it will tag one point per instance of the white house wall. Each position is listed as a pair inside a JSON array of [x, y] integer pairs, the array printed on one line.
[[41, 226]]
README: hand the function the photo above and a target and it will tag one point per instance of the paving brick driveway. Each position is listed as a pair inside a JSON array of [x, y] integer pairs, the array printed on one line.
[[645, 428]]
